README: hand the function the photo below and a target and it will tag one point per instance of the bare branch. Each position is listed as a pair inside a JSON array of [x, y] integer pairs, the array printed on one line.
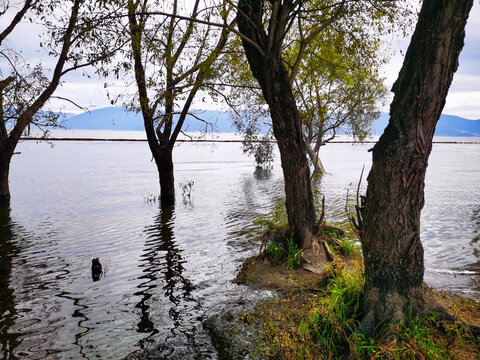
[[205, 22], [18, 17], [72, 102]]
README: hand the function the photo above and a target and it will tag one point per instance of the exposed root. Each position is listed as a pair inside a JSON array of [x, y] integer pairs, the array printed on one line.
[[315, 258], [329, 254], [321, 221]]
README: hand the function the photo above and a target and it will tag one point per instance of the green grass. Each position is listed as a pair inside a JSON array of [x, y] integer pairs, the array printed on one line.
[[326, 326], [274, 220], [285, 252]]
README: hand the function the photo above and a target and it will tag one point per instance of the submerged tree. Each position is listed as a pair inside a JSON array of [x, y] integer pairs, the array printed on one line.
[[25, 88], [173, 53], [266, 27], [389, 219]]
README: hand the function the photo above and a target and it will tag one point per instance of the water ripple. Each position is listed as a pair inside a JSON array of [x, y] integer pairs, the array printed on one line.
[[168, 269]]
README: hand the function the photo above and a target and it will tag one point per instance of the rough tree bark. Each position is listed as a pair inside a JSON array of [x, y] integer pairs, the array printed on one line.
[[263, 52], [389, 218]]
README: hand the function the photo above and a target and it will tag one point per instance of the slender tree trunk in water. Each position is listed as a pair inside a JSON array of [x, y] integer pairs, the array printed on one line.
[[5, 158], [4, 188], [164, 163], [268, 69], [318, 168], [390, 215]]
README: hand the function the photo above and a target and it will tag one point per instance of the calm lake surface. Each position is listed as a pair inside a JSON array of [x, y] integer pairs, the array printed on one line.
[[168, 269]]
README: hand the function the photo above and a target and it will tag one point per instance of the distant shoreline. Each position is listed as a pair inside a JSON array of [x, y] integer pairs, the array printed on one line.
[[222, 141]]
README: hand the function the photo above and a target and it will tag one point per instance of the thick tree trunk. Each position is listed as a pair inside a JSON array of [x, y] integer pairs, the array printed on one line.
[[268, 69], [296, 173], [390, 216]]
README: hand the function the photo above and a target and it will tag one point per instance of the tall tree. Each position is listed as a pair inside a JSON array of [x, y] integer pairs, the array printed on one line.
[[263, 51], [173, 58], [9, 140], [27, 88], [337, 83], [389, 219], [339, 87], [266, 26]]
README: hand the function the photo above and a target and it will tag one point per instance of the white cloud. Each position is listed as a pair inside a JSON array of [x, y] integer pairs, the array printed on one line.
[[464, 95], [464, 104]]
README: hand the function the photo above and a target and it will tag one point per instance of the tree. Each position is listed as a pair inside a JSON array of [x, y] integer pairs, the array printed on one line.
[[26, 88], [265, 27], [263, 52], [389, 218], [335, 76], [338, 87], [173, 58]]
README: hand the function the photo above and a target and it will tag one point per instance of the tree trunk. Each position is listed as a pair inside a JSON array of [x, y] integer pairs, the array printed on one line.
[[264, 56], [318, 168], [389, 219], [164, 162], [296, 173], [5, 158]]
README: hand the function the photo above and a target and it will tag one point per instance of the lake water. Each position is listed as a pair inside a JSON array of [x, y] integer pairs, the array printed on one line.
[[167, 270]]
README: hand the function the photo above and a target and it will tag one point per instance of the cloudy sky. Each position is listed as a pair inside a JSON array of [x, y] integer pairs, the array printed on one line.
[[464, 95], [463, 99]]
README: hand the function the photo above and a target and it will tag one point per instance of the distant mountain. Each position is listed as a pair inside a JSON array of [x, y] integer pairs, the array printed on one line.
[[109, 118], [448, 125], [116, 118]]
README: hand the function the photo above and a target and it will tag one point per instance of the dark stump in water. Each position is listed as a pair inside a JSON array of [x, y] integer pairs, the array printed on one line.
[[97, 270]]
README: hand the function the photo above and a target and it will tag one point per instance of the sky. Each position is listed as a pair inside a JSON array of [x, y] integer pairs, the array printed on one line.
[[464, 95], [89, 92]]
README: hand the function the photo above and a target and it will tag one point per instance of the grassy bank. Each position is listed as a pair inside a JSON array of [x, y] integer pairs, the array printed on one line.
[[317, 316]]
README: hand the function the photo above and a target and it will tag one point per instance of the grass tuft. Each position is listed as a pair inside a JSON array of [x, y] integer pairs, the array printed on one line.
[[326, 326]]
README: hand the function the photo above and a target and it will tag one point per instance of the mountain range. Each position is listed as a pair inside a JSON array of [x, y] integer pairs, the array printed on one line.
[[448, 125], [116, 118]]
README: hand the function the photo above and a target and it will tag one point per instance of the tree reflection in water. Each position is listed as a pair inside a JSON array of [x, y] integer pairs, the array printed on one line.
[[168, 317], [8, 340]]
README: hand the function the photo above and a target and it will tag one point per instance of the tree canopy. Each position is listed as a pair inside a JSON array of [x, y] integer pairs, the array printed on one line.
[[333, 52]]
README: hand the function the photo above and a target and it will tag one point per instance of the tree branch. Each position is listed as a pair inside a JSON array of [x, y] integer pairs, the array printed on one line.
[[18, 17], [313, 34], [26, 117], [205, 22]]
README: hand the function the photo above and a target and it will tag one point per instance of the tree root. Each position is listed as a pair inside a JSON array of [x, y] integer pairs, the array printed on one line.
[[330, 256], [384, 311]]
